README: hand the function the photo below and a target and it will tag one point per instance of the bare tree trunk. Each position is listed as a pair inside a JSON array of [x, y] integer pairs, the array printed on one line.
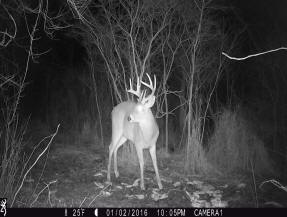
[[166, 119]]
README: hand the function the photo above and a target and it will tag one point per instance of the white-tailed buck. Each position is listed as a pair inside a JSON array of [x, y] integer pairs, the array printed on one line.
[[135, 122]]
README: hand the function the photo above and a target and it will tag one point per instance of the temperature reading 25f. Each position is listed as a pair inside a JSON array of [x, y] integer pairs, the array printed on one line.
[[78, 212]]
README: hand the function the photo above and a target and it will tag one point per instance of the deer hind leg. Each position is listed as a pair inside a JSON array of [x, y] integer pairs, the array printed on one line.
[[152, 151], [120, 142], [141, 162], [113, 148]]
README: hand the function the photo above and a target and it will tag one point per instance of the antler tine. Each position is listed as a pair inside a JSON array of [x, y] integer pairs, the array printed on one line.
[[150, 82], [142, 96], [150, 86], [136, 92]]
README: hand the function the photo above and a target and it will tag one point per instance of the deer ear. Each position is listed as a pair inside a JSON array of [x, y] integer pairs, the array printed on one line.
[[150, 102]]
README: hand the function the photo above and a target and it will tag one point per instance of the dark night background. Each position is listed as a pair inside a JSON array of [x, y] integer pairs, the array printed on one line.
[[58, 86], [265, 24]]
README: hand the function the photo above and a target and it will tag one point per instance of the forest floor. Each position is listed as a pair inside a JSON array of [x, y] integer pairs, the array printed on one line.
[[75, 176]]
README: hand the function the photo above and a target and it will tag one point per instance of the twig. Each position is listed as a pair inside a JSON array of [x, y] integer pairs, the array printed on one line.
[[99, 194], [253, 55], [254, 183], [83, 201], [40, 155], [47, 186], [276, 183], [3, 42]]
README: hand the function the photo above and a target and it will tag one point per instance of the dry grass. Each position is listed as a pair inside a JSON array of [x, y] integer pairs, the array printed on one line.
[[235, 147], [11, 139]]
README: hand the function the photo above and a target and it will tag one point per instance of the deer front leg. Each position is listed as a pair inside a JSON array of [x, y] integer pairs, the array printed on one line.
[[141, 162], [152, 152]]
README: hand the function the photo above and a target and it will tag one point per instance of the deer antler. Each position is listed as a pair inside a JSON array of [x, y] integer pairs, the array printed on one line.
[[136, 92], [144, 99], [142, 94]]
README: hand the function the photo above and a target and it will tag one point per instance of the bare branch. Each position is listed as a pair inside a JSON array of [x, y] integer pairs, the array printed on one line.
[[10, 37], [253, 55]]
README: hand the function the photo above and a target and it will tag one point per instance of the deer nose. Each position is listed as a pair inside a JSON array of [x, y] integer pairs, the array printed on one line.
[[129, 118]]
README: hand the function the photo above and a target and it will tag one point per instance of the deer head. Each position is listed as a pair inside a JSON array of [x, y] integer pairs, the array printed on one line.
[[141, 112]]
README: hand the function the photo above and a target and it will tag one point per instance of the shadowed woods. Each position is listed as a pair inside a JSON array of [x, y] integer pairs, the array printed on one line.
[[132, 104]]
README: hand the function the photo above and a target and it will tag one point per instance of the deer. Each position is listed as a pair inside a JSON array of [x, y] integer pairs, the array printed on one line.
[[134, 121]]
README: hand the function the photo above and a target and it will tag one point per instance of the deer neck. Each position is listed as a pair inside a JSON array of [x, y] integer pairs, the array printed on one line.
[[149, 127]]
